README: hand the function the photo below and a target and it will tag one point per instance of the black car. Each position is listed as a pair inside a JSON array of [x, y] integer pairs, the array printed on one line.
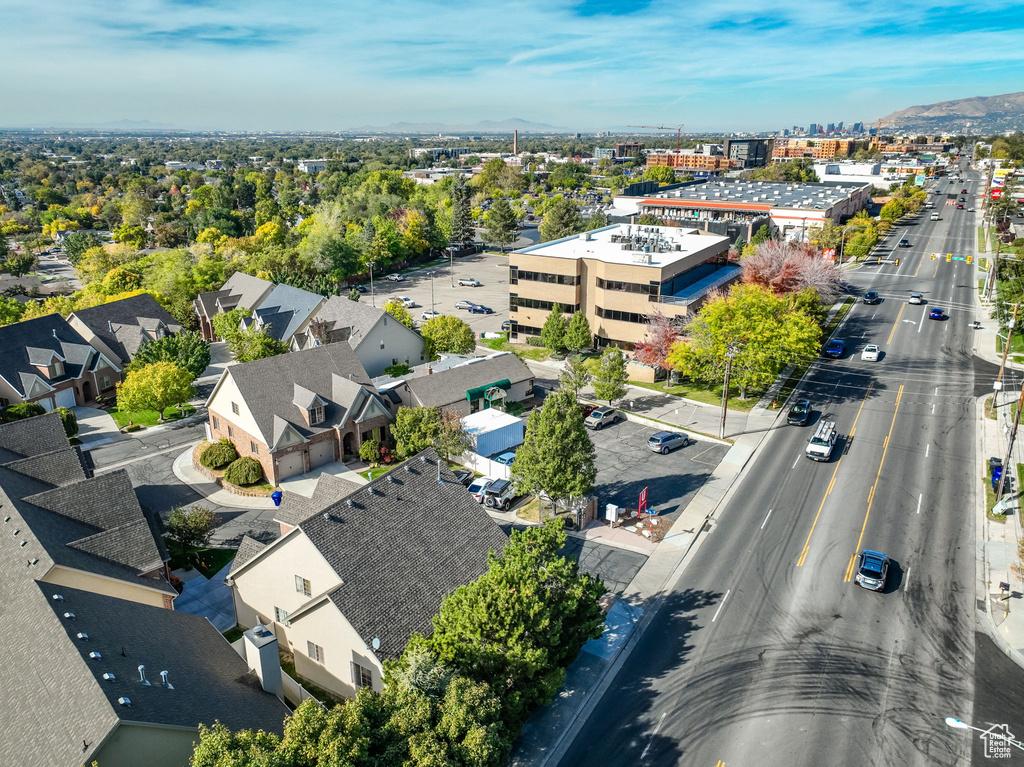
[[506, 325], [800, 413], [478, 309], [464, 476], [360, 288], [871, 297]]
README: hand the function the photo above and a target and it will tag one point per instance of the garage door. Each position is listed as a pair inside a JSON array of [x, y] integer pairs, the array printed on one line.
[[289, 465], [66, 398], [47, 403], [321, 453]]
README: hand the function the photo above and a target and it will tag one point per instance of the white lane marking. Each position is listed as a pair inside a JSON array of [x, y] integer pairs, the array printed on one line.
[[794, 464], [936, 392], [766, 519], [906, 583], [721, 605], [653, 734], [921, 323], [927, 447], [919, 497], [933, 408]]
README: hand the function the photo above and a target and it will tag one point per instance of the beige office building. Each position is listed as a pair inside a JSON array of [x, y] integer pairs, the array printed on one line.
[[617, 276]]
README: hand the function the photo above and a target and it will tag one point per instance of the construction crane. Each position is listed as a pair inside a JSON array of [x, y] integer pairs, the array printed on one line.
[[878, 133], [678, 130]]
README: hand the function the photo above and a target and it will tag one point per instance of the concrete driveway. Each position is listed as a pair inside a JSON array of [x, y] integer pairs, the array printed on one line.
[[95, 427], [625, 467]]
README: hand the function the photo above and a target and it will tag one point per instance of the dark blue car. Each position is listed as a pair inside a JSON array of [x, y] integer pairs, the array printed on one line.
[[834, 348], [477, 309]]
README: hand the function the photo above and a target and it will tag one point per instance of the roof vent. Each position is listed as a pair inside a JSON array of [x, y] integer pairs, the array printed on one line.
[[391, 478], [69, 616], [374, 491], [95, 655], [33, 561], [351, 503], [58, 597], [164, 682], [7, 518], [83, 636], [142, 676], [17, 530], [108, 677], [23, 544], [327, 516], [260, 630], [124, 701], [424, 459], [408, 468]]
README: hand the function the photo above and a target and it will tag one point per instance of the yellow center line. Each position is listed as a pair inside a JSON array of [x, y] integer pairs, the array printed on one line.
[[874, 487], [832, 482], [896, 324], [719, 763]]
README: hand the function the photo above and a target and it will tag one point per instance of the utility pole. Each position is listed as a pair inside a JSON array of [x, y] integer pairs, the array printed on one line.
[[431, 292], [729, 354], [1006, 349], [1009, 446], [373, 300]]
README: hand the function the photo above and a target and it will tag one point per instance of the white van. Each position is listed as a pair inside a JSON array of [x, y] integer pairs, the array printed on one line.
[[819, 447]]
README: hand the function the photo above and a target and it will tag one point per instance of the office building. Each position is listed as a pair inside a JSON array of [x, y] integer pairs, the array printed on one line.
[[749, 152]]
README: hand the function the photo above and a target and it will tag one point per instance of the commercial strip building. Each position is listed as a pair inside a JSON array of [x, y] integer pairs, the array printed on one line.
[[738, 208], [617, 276]]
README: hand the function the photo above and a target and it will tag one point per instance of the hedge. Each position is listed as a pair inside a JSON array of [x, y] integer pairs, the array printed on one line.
[[218, 454], [244, 471]]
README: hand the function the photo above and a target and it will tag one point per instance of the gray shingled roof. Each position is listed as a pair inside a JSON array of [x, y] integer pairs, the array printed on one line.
[[404, 543], [50, 332], [244, 289], [247, 549], [268, 386], [339, 312], [127, 318], [449, 386], [31, 436], [286, 309], [329, 489]]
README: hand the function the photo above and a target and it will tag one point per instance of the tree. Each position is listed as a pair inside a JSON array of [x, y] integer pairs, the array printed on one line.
[[218, 455], [68, 420], [451, 439], [556, 459], [415, 429], [521, 623], [663, 174], [228, 324], [502, 225], [447, 335], [20, 410], [252, 344], [552, 334], [562, 219], [243, 471], [369, 451], [661, 336], [397, 309], [11, 310], [892, 210], [186, 349], [786, 267], [597, 220], [76, 243], [578, 335], [575, 377], [354, 295], [611, 376], [132, 236], [764, 332], [462, 219], [190, 528], [155, 387], [19, 266]]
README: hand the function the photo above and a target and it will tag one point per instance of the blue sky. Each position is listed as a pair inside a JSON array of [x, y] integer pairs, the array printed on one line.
[[581, 64]]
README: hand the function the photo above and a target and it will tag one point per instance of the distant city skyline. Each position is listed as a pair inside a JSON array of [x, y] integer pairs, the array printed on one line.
[[584, 66]]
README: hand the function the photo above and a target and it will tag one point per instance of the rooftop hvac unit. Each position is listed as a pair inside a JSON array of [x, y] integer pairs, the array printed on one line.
[[641, 258]]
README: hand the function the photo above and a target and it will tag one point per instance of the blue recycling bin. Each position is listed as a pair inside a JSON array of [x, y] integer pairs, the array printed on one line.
[[276, 497]]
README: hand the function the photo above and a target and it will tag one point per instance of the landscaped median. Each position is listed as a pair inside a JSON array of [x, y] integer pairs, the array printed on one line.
[[127, 420], [260, 488]]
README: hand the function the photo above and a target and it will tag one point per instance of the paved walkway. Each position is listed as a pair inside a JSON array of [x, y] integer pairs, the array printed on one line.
[[209, 598], [95, 427]]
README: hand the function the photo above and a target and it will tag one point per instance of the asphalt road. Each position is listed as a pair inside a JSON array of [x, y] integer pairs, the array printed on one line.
[[766, 652]]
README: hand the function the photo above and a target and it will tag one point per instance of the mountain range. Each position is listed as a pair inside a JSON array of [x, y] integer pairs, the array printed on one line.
[[977, 115], [482, 127]]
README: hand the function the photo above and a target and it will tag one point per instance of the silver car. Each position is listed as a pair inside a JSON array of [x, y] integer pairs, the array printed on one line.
[[665, 441], [478, 486], [464, 304]]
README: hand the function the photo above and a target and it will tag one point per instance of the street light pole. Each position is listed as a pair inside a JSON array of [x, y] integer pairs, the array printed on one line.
[[451, 263], [1006, 349], [729, 354], [431, 292], [373, 301], [1009, 446]]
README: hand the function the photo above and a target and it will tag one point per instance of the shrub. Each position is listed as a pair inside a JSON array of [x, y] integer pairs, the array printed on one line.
[[244, 471], [21, 410], [70, 421], [369, 451], [401, 369], [218, 454], [534, 341]]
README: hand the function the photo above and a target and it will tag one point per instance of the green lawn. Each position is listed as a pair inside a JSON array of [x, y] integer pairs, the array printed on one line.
[[377, 471], [535, 353], [211, 561], [149, 417], [701, 392]]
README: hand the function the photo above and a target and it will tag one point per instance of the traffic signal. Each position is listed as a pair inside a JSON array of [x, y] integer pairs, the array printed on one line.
[[970, 259], [897, 262], [949, 257], [933, 256]]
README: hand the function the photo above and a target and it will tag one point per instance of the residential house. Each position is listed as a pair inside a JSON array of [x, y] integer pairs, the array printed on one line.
[[297, 411], [240, 291], [119, 328], [46, 360], [346, 587], [285, 311], [378, 339], [468, 387], [96, 666]]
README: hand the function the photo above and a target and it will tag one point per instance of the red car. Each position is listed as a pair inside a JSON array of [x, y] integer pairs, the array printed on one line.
[[587, 408]]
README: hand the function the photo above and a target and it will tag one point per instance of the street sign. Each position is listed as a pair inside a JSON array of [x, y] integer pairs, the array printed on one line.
[[643, 500], [995, 194], [829, 254]]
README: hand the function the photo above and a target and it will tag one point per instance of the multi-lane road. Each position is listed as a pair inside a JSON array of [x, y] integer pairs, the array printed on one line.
[[766, 652]]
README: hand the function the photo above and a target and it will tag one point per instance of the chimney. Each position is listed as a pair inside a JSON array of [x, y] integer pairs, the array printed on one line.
[[262, 656], [515, 142]]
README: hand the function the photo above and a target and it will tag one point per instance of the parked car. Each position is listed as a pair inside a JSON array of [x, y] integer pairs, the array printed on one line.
[[395, 277], [499, 494], [587, 408], [665, 441], [464, 476], [800, 413], [405, 301], [478, 309], [871, 297], [506, 458], [506, 325], [429, 315], [870, 353], [464, 304], [872, 570], [916, 298], [477, 487], [936, 314], [834, 348], [601, 417], [469, 282], [904, 243], [360, 288]]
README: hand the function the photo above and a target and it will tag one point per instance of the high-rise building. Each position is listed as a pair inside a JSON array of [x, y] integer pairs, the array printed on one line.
[[831, 128], [839, 126], [751, 152], [813, 129]]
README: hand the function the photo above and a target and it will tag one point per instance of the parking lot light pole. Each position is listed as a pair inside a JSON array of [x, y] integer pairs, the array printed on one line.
[[373, 302], [431, 291], [729, 354]]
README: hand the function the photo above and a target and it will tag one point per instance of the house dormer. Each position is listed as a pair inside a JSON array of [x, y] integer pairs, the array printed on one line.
[[49, 363], [311, 405]]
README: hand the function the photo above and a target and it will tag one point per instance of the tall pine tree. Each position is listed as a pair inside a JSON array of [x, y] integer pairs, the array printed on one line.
[[502, 224], [462, 220]]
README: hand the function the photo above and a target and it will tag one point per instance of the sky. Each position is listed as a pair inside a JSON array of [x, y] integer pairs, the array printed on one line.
[[329, 65]]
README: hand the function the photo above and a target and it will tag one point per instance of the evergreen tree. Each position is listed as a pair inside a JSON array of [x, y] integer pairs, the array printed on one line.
[[561, 220], [610, 379], [577, 334], [462, 220], [575, 376], [552, 335], [502, 224]]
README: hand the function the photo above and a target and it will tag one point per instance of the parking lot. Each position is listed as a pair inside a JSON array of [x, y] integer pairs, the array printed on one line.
[[625, 467], [492, 272]]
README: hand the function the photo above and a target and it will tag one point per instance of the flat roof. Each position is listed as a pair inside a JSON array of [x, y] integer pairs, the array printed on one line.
[[626, 243], [757, 194]]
